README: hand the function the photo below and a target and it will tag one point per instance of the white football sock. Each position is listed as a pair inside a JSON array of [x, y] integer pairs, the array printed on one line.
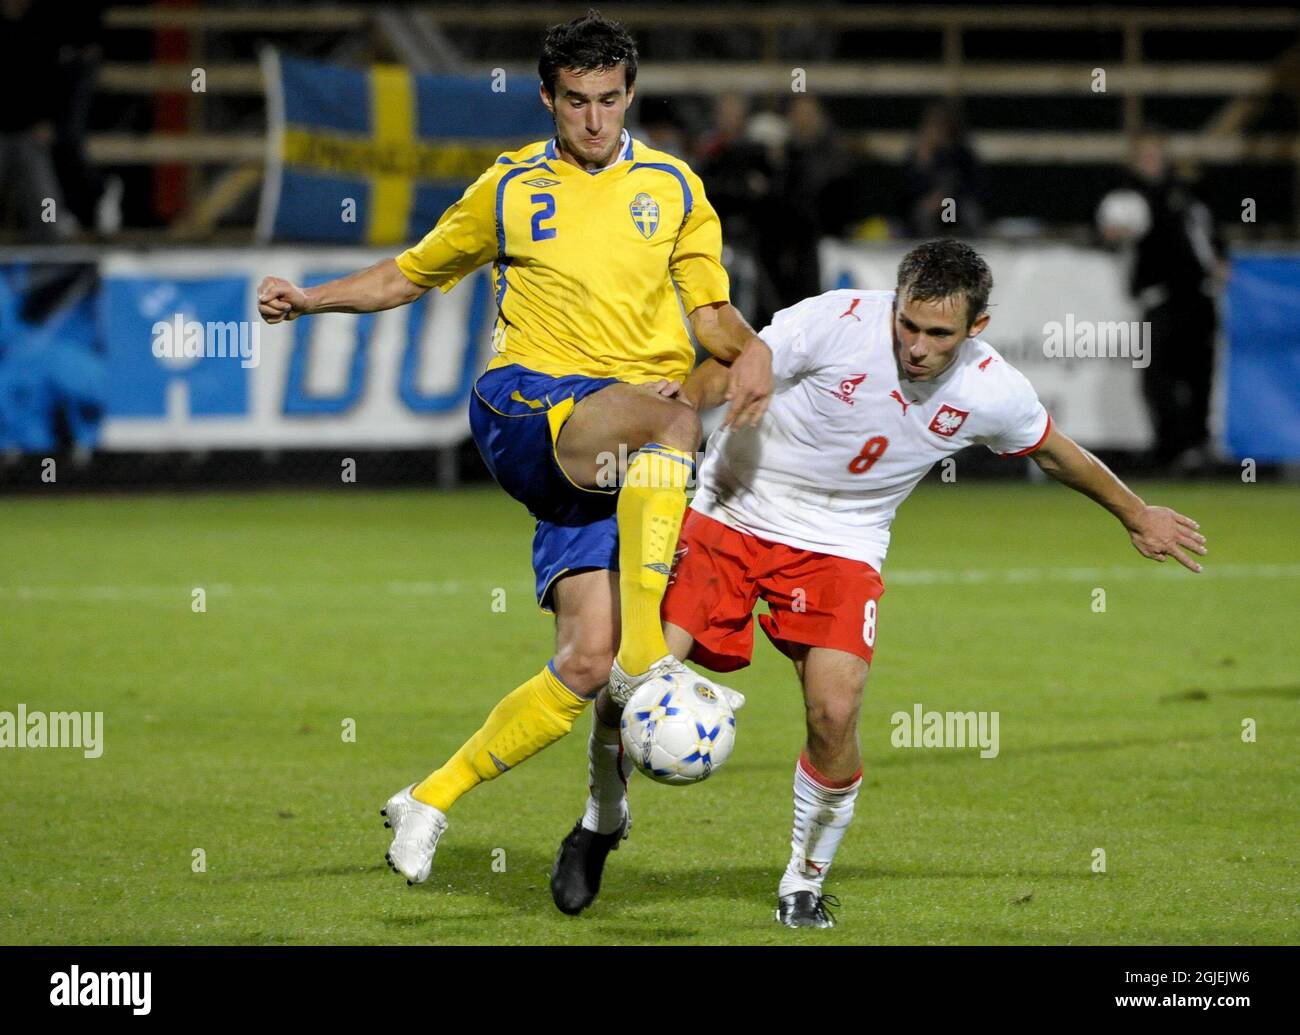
[[608, 770], [821, 815]]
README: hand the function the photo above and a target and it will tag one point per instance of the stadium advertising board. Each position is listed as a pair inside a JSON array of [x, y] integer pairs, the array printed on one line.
[[190, 365], [163, 350], [1263, 369]]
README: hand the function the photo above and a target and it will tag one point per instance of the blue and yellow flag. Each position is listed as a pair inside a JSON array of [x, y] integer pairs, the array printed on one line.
[[374, 157]]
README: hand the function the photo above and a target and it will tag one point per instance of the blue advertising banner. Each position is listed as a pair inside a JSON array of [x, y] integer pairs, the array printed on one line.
[[139, 379], [53, 374], [164, 351], [1263, 370], [192, 366]]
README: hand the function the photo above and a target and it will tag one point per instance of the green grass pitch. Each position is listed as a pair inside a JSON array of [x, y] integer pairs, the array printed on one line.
[[1119, 730]]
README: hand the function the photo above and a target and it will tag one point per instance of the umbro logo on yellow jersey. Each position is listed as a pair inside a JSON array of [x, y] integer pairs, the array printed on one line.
[[542, 181]]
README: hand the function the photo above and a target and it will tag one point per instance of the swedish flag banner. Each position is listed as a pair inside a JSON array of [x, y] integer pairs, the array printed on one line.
[[374, 156]]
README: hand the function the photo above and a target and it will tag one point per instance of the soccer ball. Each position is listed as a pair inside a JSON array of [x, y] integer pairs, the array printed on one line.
[[678, 729]]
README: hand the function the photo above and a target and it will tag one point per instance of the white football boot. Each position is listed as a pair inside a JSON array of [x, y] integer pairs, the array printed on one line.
[[622, 686], [416, 829]]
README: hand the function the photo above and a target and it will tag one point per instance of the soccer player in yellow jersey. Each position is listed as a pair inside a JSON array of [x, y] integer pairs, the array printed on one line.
[[588, 233]]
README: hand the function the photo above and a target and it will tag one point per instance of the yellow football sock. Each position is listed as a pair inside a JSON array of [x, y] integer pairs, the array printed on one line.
[[650, 509], [526, 720]]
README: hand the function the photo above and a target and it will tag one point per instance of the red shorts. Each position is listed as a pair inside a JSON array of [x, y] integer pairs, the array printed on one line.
[[813, 599]]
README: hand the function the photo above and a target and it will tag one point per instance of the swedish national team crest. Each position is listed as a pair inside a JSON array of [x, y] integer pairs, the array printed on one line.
[[645, 214]]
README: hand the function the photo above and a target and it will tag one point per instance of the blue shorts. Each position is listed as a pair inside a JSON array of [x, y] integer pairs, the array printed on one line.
[[516, 415]]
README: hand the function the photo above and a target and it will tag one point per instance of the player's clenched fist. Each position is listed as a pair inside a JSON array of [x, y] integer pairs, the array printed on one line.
[[278, 300]]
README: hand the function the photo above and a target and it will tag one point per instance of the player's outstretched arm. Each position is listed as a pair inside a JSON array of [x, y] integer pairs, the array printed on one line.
[[721, 329], [1157, 532], [381, 286]]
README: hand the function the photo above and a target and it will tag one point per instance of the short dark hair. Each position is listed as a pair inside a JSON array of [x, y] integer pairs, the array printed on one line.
[[945, 268], [586, 44]]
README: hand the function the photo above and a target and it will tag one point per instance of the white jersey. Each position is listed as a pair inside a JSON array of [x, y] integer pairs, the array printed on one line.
[[844, 441]]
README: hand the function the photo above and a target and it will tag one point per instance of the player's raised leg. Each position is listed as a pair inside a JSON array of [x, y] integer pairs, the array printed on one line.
[[659, 435], [826, 781]]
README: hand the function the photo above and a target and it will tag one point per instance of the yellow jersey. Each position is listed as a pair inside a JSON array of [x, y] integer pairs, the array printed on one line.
[[584, 263]]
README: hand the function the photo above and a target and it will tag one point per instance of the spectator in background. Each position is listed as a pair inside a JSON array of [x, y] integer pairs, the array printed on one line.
[[96, 200], [780, 183], [730, 112], [822, 169], [812, 165], [737, 161], [661, 128], [31, 201], [942, 166], [812, 198], [736, 170], [1177, 265]]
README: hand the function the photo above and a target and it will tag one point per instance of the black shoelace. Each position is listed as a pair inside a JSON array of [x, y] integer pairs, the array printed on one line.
[[821, 908]]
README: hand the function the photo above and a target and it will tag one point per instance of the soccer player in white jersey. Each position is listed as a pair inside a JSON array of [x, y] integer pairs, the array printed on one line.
[[872, 388]]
